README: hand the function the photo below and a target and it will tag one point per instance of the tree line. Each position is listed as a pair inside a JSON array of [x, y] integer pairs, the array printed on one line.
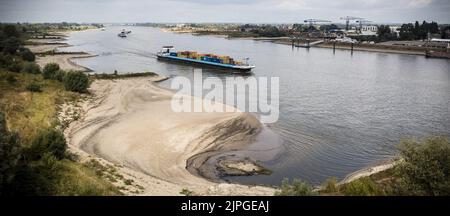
[[418, 31], [15, 57]]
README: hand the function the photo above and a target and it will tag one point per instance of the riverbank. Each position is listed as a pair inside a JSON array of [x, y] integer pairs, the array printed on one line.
[[359, 47], [408, 50], [128, 123], [368, 171], [46, 50], [376, 48]]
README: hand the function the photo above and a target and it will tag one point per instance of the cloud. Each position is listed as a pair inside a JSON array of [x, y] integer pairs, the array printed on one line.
[[221, 10], [351, 4], [419, 3], [221, 2]]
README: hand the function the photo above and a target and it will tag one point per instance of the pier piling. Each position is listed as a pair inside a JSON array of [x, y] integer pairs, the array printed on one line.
[[334, 47]]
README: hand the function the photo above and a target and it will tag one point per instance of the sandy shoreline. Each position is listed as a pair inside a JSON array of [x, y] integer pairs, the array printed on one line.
[[378, 167], [46, 51], [129, 123]]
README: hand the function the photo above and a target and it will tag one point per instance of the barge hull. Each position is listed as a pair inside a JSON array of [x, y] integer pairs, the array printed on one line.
[[205, 63]]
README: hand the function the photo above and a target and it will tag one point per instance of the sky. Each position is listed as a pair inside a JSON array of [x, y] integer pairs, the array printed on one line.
[[235, 11]]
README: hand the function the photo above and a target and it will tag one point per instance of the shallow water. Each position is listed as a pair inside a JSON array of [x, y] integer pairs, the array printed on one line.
[[338, 112]]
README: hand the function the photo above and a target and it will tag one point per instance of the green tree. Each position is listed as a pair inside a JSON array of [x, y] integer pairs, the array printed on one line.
[[418, 31], [50, 70], [15, 65], [268, 31], [76, 81], [383, 30], [33, 87], [10, 45], [407, 32], [385, 34], [27, 55], [425, 166], [10, 155], [295, 188], [49, 142], [5, 60], [60, 75], [445, 32], [31, 67], [10, 31]]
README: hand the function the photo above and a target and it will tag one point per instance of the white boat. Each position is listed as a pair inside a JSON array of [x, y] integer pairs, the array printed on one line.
[[122, 34]]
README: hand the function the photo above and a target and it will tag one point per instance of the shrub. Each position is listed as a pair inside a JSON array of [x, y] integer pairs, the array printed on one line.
[[32, 68], [49, 70], [33, 87], [331, 186], [5, 60], [14, 66], [10, 154], [11, 79], [76, 81], [128, 181], [10, 31], [361, 187], [51, 142], [10, 45], [27, 55], [60, 75], [425, 169], [187, 192], [295, 188]]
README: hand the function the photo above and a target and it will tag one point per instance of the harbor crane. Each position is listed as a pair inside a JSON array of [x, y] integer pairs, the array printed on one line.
[[315, 21], [347, 21], [361, 23]]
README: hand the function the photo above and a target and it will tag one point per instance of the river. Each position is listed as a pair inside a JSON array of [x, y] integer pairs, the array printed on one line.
[[339, 112]]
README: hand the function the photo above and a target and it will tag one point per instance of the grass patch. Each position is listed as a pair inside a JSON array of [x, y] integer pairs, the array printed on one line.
[[105, 171], [27, 113], [296, 187], [33, 87], [76, 179]]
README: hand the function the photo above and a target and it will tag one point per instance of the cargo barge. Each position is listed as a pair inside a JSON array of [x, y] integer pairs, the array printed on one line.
[[191, 57]]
